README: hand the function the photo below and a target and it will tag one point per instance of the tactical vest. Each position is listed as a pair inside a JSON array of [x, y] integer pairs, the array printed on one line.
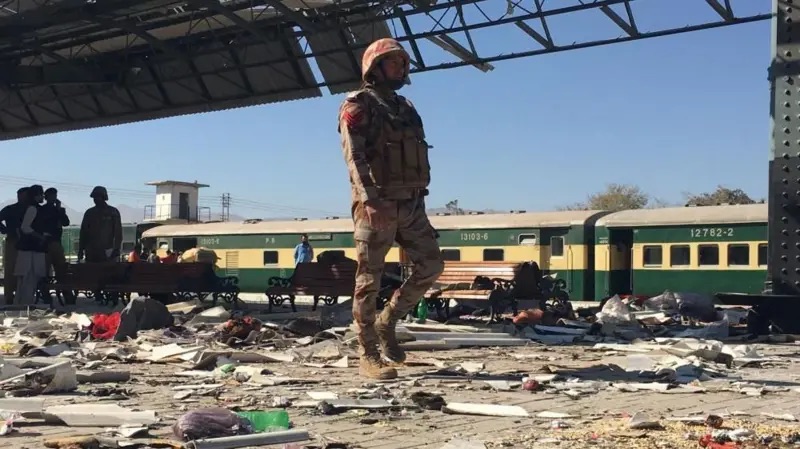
[[399, 167]]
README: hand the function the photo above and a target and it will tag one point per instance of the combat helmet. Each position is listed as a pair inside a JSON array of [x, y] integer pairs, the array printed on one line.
[[99, 192], [378, 50]]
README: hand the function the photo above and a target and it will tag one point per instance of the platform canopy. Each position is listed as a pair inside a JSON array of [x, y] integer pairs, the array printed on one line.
[[72, 64]]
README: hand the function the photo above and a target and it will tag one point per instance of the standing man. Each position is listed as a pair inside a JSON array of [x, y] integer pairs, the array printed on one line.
[[31, 264], [10, 221], [101, 230], [303, 252], [55, 218], [384, 146]]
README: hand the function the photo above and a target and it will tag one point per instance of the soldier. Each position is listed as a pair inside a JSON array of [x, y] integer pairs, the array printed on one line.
[[101, 230], [387, 157]]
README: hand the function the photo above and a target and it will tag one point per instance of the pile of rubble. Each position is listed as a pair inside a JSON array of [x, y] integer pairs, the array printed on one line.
[[239, 379]]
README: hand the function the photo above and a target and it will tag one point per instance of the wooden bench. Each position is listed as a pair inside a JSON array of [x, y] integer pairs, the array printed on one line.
[[88, 278], [324, 282], [183, 281], [502, 284]]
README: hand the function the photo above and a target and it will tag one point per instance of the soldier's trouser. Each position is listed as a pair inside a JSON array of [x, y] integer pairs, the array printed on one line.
[[9, 265], [410, 227], [94, 255], [56, 258]]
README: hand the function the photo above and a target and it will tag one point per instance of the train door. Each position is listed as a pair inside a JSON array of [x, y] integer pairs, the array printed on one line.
[[620, 270]]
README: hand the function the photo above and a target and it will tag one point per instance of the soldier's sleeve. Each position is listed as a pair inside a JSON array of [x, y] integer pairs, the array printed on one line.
[[83, 237], [353, 126], [117, 229]]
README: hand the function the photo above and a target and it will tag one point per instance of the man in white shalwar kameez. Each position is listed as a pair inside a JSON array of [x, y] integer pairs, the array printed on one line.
[[31, 264]]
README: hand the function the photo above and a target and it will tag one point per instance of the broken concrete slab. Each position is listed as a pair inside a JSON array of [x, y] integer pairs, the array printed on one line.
[[98, 415]]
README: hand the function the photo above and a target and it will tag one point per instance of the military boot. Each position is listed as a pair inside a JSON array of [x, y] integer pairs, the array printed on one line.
[[371, 365], [385, 328]]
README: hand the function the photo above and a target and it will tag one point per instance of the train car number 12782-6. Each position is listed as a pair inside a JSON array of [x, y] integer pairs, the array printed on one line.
[[697, 233]]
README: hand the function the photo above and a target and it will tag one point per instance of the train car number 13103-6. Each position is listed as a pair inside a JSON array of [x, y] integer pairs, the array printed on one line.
[[710, 232], [474, 236]]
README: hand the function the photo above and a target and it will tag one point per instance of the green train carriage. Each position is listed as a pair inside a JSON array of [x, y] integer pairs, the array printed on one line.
[[698, 249], [560, 242], [131, 233]]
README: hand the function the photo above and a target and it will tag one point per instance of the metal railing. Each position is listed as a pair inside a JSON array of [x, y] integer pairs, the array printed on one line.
[[175, 211]]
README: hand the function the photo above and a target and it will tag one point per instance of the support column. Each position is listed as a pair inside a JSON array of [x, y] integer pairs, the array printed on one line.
[[784, 164]]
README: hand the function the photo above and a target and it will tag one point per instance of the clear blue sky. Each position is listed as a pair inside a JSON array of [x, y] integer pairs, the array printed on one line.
[[672, 114]]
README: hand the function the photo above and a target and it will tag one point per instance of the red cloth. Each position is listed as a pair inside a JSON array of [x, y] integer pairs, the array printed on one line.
[[105, 326]]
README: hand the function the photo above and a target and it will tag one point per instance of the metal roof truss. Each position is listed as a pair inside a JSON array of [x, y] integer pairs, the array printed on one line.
[[71, 64]]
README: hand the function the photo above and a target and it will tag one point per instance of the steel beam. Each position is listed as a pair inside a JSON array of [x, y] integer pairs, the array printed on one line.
[[296, 16], [53, 74], [13, 27], [165, 47], [784, 164]]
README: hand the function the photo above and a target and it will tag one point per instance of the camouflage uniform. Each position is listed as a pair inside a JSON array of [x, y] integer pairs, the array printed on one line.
[[101, 229], [384, 146]]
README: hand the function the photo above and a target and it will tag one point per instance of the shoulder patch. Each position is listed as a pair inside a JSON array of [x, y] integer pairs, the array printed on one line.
[[353, 113]]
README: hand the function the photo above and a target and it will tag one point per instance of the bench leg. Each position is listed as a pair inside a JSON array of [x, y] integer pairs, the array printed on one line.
[[442, 306], [278, 300], [314, 305], [328, 300]]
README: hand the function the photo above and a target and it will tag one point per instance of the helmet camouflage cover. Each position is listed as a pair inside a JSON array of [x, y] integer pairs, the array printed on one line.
[[378, 50]]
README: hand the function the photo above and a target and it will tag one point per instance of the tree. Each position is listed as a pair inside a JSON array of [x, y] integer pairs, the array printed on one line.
[[720, 196], [453, 209], [614, 197]]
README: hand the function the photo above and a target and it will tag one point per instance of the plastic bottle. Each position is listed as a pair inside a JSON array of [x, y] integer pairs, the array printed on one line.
[[267, 421], [422, 311]]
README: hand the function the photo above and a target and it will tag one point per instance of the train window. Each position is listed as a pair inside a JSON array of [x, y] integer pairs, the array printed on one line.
[[270, 257], [679, 255], [493, 254], [527, 239], [708, 255], [652, 256], [556, 246], [738, 255], [762, 254], [451, 254]]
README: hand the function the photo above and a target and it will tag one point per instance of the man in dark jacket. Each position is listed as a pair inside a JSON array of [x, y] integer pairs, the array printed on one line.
[[10, 221], [55, 218]]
